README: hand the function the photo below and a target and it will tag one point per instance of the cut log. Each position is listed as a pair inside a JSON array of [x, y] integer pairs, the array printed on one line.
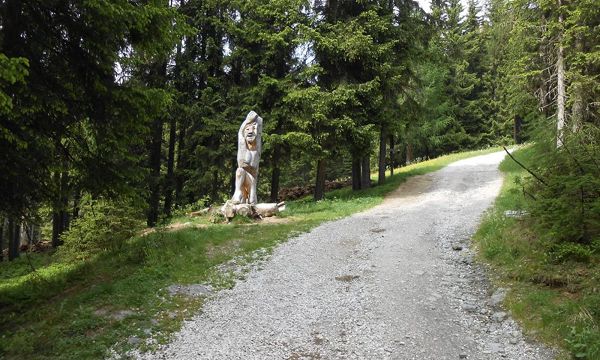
[[230, 209], [269, 209]]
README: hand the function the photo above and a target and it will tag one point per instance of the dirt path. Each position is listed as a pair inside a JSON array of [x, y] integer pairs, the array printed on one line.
[[394, 282]]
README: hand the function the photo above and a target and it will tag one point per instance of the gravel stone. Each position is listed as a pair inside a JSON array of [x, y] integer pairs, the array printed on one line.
[[134, 340], [122, 314], [294, 308], [499, 316], [469, 307], [193, 290], [498, 297]]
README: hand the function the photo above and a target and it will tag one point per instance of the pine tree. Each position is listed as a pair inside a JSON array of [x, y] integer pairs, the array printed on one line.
[[73, 122]]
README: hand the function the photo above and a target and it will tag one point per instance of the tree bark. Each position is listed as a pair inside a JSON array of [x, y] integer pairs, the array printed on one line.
[[60, 216], [64, 200], [275, 174], [320, 180], [170, 180], [154, 178], [76, 204], [560, 78], [56, 231], [356, 173], [13, 239], [409, 154], [234, 166], [382, 154], [365, 180], [578, 109], [392, 156], [2, 228], [181, 163], [517, 129]]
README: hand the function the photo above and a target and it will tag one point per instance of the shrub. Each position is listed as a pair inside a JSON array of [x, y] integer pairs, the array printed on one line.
[[570, 251], [567, 202], [102, 226]]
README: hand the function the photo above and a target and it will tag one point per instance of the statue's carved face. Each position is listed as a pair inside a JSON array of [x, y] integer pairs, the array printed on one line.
[[250, 132]]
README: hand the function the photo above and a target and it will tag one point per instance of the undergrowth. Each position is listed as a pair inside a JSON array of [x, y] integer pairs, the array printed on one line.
[[74, 307], [555, 284]]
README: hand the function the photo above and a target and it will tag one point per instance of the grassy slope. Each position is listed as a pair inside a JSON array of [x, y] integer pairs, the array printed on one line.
[[556, 302], [62, 310]]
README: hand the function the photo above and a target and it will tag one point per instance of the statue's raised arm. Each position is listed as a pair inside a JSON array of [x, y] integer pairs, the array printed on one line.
[[248, 158]]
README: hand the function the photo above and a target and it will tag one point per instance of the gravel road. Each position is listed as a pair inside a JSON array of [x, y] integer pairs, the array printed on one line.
[[394, 282]]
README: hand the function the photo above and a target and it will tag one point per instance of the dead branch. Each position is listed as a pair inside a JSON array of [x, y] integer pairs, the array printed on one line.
[[523, 166]]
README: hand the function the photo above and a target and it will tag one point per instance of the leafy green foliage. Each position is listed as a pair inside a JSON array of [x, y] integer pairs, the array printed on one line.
[[72, 116], [11, 71]]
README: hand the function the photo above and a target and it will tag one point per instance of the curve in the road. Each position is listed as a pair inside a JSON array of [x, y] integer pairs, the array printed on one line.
[[395, 282]]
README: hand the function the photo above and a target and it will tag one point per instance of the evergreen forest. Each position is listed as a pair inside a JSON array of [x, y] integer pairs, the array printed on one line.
[[118, 115]]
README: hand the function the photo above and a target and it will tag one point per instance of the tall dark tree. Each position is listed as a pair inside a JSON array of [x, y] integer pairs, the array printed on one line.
[[73, 113]]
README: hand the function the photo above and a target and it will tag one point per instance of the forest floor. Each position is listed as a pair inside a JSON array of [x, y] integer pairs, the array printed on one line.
[[397, 281]]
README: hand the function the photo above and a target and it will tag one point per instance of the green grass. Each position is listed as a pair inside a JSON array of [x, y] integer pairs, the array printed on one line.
[[65, 309], [557, 302]]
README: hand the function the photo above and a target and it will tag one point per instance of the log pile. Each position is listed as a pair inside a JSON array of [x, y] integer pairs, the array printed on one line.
[[231, 209]]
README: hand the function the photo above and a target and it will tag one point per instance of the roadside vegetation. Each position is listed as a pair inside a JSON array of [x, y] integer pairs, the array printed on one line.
[[553, 272], [82, 301], [116, 115]]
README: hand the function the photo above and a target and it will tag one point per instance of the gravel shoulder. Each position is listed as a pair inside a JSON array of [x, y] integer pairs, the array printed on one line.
[[395, 282]]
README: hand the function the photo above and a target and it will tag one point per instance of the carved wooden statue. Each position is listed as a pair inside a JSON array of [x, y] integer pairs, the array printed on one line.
[[244, 198], [248, 158]]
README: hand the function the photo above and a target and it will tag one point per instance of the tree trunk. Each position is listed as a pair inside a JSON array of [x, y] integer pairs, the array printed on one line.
[[275, 174], [578, 110], [60, 216], [181, 164], [560, 78], [56, 229], [234, 166], [214, 196], [320, 181], [356, 173], [382, 154], [154, 178], [13, 239], [517, 129], [64, 200], [2, 228], [32, 234], [76, 204], [409, 154], [365, 180], [392, 156], [170, 180]]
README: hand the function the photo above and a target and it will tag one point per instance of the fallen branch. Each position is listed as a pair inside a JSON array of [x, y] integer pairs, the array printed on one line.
[[523, 166]]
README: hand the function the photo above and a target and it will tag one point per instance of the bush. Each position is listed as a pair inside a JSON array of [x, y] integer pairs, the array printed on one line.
[[567, 203], [103, 226], [570, 252]]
